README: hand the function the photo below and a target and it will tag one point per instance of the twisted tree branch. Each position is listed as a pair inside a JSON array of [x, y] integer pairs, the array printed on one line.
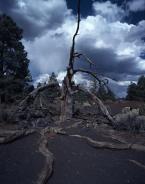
[[74, 37]]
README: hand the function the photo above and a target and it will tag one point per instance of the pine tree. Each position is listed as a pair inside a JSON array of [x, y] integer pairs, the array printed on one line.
[[53, 79], [137, 91], [13, 57], [103, 92], [14, 72]]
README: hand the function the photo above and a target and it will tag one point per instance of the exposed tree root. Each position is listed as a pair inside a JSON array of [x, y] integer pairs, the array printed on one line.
[[48, 168], [101, 144], [11, 136], [138, 147], [138, 164], [109, 145], [74, 125], [56, 130], [117, 138]]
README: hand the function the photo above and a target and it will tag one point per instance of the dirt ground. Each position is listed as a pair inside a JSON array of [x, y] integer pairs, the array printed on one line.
[[79, 151]]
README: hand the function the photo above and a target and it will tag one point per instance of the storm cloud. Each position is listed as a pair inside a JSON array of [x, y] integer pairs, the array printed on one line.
[[36, 17], [136, 5], [115, 46]]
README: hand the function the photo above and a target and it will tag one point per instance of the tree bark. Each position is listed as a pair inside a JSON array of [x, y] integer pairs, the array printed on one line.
[[1, 61], [67, 91], [66, 100]]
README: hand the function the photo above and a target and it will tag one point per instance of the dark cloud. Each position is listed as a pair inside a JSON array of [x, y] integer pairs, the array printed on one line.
[[107, 62], [119, 90], [34, 20], [6, 6], [115, 45]]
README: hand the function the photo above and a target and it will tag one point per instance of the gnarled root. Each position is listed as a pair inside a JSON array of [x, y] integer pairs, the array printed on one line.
[[138, 164], [48, 168], [10, 136], [109, 145]]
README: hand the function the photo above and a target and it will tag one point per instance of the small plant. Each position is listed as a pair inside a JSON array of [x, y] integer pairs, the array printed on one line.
[[7, 114], [131, 121], [142, 110]]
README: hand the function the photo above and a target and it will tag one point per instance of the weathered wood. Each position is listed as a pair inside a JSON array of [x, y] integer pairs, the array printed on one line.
[[110, 145], [102, 107], [29, 99], [66, 100], [48, 168], [11, 136], [102, 144]]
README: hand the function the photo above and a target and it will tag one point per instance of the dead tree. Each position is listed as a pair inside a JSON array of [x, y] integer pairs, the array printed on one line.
[[67, 90], [67, 87]]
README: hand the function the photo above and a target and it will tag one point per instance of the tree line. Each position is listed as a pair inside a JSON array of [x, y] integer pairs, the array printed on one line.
[[137, 91], [14, 72]]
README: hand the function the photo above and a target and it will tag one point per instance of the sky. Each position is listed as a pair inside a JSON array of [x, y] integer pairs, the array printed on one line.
[[112, 35]]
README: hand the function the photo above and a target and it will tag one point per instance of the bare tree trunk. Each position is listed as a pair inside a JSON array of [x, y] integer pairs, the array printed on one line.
[[67, 91], [66, 108], [66, 100], [2, 62]]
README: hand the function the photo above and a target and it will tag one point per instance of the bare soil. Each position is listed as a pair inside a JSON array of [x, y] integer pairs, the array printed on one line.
[[84, 150]]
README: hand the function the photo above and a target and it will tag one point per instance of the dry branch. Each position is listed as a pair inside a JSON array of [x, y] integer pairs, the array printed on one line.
[[102, 107], [14, 135], [87, 59], [88, 72], [31, 97], [74, 36]]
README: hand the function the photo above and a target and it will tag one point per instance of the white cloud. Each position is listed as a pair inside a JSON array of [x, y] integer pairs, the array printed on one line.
[[78, 79], [108, 10], [136, 5], [119, 88], [48, 53], [43, 78]]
